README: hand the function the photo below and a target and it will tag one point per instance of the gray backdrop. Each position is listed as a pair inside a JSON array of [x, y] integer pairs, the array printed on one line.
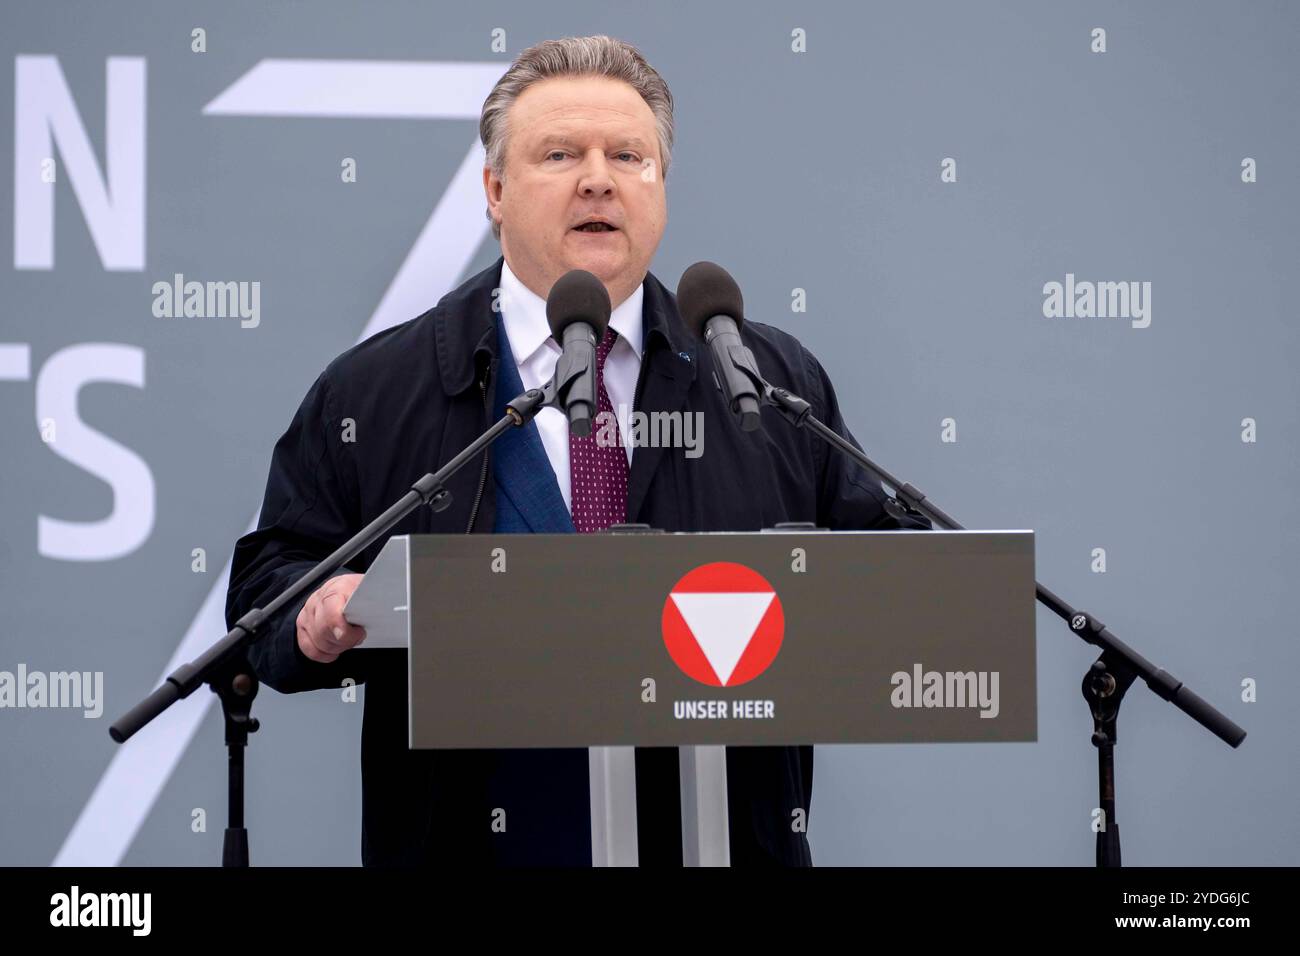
[[817, 170]]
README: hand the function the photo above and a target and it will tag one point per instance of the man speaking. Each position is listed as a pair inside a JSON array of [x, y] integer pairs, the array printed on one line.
[[578, 135]]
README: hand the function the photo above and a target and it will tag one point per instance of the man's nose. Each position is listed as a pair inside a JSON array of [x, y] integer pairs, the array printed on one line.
[[594, 178]]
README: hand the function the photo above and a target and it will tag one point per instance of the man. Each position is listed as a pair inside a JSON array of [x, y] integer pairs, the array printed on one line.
[[578, 135]]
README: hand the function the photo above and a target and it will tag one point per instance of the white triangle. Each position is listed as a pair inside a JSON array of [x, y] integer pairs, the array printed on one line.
[[723, 624]]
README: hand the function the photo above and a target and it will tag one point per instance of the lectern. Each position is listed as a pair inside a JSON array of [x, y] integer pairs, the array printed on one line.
[[700, 641]]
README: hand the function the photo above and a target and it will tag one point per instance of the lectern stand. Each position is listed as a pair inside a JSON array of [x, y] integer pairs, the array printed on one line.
[[721, 639], [613, 806]]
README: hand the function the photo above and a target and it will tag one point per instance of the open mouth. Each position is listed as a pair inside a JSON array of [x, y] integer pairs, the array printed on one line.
[[595, 227]]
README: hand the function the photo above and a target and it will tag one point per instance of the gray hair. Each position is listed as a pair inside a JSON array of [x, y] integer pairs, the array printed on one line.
[[574, 56]]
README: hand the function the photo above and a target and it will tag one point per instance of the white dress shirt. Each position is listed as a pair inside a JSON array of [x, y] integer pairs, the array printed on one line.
[[536, 353]]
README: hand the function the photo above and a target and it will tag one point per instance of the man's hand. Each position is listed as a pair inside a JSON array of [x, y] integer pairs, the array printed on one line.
[[323, 632]]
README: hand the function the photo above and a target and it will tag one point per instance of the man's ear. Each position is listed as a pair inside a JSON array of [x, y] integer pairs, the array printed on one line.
[[492, 187]]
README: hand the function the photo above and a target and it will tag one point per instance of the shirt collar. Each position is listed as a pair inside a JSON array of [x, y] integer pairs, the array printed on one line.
[[524, 314]]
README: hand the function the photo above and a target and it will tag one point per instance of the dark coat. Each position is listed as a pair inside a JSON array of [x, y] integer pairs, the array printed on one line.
[[420, 392]]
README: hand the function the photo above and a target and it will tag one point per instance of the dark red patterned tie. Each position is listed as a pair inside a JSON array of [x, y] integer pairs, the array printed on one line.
[[598, 472]]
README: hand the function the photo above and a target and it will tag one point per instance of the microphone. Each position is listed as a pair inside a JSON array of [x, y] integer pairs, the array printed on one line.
[[710, 304], [577, 311]]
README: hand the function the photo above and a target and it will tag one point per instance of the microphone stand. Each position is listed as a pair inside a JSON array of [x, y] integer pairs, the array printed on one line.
[[224, 666], [1110, 675]]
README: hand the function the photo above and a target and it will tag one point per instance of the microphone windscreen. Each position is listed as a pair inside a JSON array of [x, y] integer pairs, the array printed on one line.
[[577, 296], [705, 290]]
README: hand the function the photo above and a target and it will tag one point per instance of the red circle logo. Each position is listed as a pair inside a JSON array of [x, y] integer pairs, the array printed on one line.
[[723, 624]]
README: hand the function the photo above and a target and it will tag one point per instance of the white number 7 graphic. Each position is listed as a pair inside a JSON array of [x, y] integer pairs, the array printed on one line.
[[135, 776]]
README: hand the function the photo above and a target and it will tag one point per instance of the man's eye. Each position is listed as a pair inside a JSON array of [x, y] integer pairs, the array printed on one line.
[[630, 157], [556, 152]]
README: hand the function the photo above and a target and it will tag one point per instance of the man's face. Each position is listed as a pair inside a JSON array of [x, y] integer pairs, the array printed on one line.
[[578, 148]]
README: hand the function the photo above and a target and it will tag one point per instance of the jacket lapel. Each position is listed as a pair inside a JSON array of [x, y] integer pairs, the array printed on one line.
[[668, 366]]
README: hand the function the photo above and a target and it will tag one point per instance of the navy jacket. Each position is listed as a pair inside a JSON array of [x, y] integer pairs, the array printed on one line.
[[417, 394]]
